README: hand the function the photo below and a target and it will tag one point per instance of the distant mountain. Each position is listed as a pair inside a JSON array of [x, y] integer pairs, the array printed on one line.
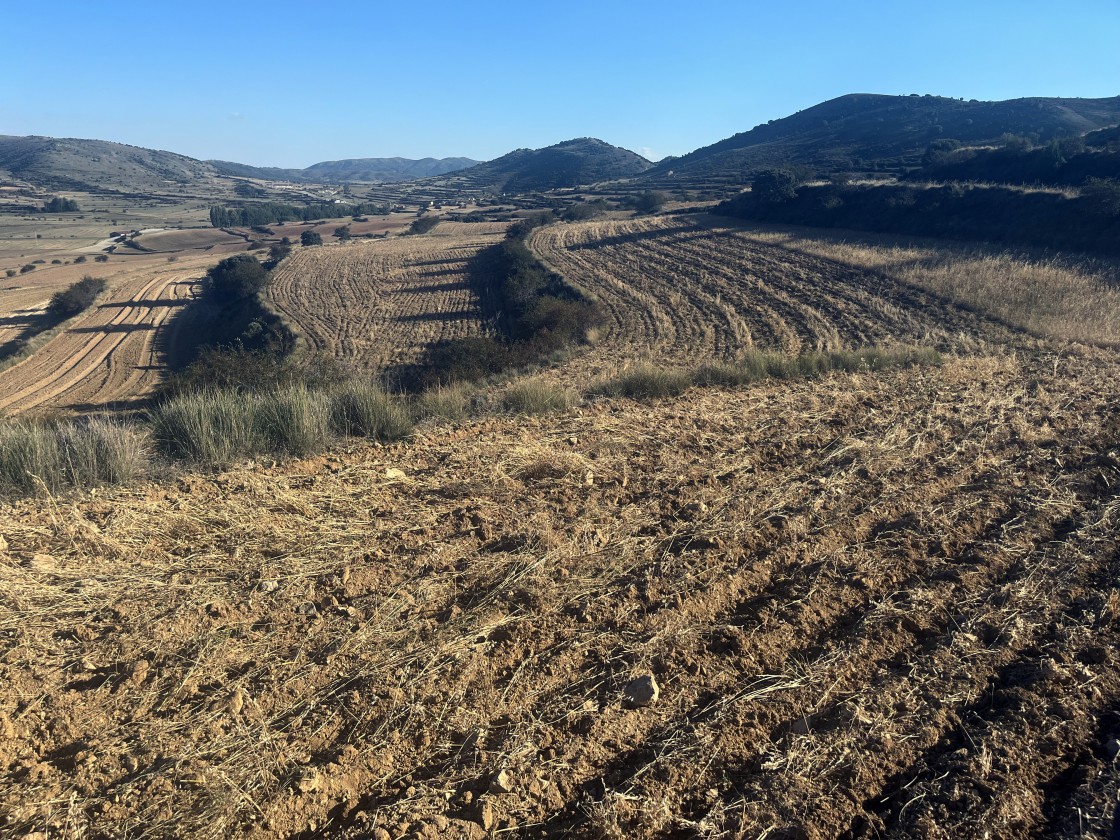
[[97, 164], [370, 170], [568, 164], [868, 132]]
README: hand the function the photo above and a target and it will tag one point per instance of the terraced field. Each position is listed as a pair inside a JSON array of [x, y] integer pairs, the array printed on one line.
[[380, 304], [109, 355], [688, 288]]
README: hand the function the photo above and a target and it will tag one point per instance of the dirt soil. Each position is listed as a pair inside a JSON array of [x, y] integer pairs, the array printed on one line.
[[873, 605]]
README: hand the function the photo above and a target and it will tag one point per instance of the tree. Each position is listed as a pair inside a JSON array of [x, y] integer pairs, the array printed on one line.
[[650, 201], [774, 186], [343, 233], [61, 205], [310, 237], [235, 278]]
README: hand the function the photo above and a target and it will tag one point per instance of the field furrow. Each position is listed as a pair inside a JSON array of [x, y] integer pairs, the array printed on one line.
[[378, 305]]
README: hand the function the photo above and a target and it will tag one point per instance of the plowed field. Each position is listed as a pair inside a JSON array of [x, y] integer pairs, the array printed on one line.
[[110, 354], [376, 305], [685, 288], [874, 605]]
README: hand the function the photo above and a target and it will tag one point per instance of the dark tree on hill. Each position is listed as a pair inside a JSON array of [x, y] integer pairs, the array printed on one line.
[[343, 233], [61, 205], [310, 237], [774, 186], [77, 297], [235, 278]]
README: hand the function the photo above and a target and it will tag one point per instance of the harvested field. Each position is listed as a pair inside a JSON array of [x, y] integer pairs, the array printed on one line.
[[379, 305], [110, 354], [686, 288], [875, 605]]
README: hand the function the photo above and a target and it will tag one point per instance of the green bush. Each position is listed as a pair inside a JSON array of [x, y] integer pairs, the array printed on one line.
[[310, 237], [85, 453], [77, 297], [646, 382]]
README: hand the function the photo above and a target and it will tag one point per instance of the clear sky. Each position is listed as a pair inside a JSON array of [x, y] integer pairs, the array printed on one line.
[[291, 84]]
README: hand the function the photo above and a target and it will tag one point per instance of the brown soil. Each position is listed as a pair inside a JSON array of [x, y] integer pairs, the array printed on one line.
[[875, 605]]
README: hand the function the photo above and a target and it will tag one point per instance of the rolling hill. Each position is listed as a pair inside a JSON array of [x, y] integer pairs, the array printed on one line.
[[871, 132], [67, 163], [572, 163], [373, 170]]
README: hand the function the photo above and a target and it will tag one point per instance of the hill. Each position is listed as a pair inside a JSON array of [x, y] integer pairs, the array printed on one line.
[[568, 164], [374, 170], [871, 132], [67, 163]]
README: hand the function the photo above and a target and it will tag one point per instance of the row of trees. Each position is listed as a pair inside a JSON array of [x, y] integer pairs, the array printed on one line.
[[61, 205], [268, 212], [77, 297]]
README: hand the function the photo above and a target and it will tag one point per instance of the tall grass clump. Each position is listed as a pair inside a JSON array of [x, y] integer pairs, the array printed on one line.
[[101, 451], [646, 381], [361, 409], [211, 428], [54, 456], [294, 420], [536, 396], [443, 402], [29, 451]]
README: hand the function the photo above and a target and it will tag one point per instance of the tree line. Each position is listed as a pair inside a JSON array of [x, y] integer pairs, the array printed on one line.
[[269, 212]]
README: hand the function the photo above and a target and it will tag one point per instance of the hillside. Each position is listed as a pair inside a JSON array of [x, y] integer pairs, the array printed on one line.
[[66, 163], [568, 164], [373, 170], [871, 132]]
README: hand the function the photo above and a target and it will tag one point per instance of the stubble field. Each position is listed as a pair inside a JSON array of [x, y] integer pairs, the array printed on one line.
[[378, 305]]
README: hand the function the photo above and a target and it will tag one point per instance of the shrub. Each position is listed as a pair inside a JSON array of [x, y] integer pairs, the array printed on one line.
[[77, 297], [28, 451], [101, 258], [212, 429], [61, 205], [294, 420], [27, 268], [11, 272], [536, 396], [81, 258], [423, 224], [102, 451], [310, 237], [237, 277], [361, 409]]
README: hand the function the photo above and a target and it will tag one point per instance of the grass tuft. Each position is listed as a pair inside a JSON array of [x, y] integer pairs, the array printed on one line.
[[211, 429], [536, 396], [294, 420], [361, 409]]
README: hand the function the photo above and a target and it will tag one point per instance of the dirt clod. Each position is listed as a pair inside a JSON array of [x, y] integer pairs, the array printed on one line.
[[640, 691]]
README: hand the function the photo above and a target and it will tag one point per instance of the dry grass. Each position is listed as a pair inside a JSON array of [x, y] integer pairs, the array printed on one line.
[[1065, 297]]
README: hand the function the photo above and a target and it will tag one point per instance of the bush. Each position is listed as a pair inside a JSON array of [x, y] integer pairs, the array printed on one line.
[[27, 268], [361, 409], [236, 278], [81, 258], [11, 272], [77, 297], [211, 429], [536, 396], [310, 237], [61, 205], [101, 258], [423, 224], [650, 201]]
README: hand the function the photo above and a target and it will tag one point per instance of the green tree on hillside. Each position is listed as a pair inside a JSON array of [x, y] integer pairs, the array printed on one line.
[[235, 278], [310, 237]]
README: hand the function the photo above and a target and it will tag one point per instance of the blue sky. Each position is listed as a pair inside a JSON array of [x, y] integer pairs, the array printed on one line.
[[290, 84]]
